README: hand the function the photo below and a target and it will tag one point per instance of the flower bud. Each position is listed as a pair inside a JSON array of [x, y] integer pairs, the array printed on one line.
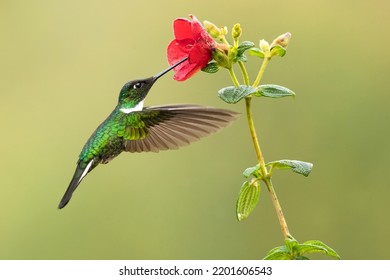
[[224, 31], [236, 32], [220, 55], [212, 29], [282, 40], [264, 46]]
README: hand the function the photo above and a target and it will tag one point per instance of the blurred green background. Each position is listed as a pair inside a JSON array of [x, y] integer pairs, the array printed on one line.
[[62, 66]]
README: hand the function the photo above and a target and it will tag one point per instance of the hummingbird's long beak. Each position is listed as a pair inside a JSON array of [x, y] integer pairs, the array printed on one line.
[[155, 77]]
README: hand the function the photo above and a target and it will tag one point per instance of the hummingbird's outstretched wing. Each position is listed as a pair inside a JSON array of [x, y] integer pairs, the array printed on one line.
[[170, 127]]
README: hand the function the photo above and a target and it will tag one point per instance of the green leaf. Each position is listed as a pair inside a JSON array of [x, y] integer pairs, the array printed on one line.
[[247, 199], [273, 91], [301, 258], [278, 50], [290, 244], [251, 171], [300, 167], [313, 246], [211, 68], [240, 58], [256, 52], [278, 253], [234, 94], [295, 251], [246, 45]]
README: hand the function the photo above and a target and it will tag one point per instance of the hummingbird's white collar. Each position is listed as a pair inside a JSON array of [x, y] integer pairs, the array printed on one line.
[[139, 107]]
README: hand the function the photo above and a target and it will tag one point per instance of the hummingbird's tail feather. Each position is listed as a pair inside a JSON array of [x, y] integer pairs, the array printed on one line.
[[82, 170], [170, 127]]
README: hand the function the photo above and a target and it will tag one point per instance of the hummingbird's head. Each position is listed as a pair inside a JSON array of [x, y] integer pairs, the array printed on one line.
[[133, 93]]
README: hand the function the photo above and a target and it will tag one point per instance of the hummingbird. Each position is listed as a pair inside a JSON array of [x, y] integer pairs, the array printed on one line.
[[133, 128]]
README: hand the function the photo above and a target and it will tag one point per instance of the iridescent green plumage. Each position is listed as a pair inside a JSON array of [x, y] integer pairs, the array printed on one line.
[[133, 128]]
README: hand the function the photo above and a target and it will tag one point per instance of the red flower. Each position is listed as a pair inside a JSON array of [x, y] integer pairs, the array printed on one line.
[[192, 41]]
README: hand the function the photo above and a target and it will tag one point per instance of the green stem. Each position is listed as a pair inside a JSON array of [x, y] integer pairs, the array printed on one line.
[[244, 73], [264, 171], [261, 71], [234, 77], [255, 140], [224, 41], [278, 208]]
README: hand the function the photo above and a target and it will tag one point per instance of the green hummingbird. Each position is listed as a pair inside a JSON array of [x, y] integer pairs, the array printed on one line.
[[131, 127]]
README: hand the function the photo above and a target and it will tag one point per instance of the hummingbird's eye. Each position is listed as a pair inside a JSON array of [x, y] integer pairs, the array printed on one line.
[[137, 85]]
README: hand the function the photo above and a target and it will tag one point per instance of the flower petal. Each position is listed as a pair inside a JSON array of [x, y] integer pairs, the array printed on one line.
[[182, 29], [185, 71], [199, 55], [196, 28], [192, 41], [176, 52]]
